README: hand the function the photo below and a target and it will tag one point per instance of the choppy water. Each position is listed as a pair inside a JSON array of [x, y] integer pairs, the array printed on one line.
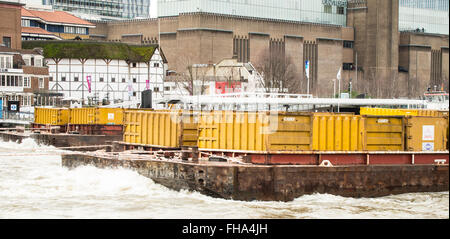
[[34, 185]]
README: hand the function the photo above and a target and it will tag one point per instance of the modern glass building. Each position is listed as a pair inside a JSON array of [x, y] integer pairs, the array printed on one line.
[[317, 11], [106, 8], [429, 16]]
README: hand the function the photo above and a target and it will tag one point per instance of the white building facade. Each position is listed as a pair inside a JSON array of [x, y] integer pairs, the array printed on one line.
[[107, 79]]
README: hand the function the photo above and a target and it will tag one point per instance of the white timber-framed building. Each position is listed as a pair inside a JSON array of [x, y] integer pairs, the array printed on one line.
[[114, 72]]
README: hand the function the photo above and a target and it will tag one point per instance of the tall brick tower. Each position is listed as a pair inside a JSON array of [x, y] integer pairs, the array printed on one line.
[[376, 44]]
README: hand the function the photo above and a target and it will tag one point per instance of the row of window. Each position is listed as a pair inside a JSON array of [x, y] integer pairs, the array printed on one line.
[[100, 79], [75, 30], [19, 81], [56, 28], [25, 100], [33, 62], [134, 65]]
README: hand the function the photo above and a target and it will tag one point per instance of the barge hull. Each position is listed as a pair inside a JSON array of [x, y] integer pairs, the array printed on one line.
[[61, 140], [278, 182]]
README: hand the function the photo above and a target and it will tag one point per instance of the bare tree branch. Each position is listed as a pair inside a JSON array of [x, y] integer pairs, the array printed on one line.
[[279, 73]]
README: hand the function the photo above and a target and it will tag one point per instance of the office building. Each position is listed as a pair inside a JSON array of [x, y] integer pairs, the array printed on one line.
[[103, 9]]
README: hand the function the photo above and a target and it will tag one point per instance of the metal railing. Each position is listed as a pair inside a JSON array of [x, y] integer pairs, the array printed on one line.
[[17, 116]]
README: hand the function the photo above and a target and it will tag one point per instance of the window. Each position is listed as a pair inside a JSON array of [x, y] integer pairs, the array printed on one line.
[[50, 78], [348, 44], [63, 78], [70, 29], [167, 88], [156, 65], [81, 30], [26, 82], [134, 80], [41, 83], [348, 66], [25, 23], [327, 9], [134, 65], [3, 81], [76, 78], [38, 63], [134, 93], [7, 41], [156, 89], [340, 10], [101, 79], [27, 61], [113, 79], [123, 80]]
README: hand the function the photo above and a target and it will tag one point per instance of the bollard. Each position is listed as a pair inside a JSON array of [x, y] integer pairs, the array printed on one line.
[[184, 153], [20, 129], [195, 154]]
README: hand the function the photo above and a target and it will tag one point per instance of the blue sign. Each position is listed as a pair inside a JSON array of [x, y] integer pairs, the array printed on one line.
[[427, 146], [1, 109]]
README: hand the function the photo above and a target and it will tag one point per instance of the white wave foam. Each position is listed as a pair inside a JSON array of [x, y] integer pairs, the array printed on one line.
[[37, 186]]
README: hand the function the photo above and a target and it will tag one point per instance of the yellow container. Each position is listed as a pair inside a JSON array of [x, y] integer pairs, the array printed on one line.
[[97, 116], [251, 131], [401, 112], [109, 116], [82, 116], [425, 133], [384, 133], [433, 113], [338, 132], [160, 129], [51, 116], [387, 112]]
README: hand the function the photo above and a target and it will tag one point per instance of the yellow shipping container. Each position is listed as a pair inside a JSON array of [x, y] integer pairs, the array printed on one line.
[[387, 112], [251, 131], [384, 133], [51, 116], [160, 129], [97, 116], [401, 112], [433, 113], [338, 132], [426, 133]]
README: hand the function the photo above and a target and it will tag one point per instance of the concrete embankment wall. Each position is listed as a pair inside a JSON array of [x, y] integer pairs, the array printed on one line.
[[279, 183]]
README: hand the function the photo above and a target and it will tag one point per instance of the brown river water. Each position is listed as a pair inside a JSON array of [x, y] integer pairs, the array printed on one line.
[[33, 184]]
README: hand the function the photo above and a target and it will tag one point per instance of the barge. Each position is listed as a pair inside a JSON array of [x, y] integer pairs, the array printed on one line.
[[236, 179], [244, 155]]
